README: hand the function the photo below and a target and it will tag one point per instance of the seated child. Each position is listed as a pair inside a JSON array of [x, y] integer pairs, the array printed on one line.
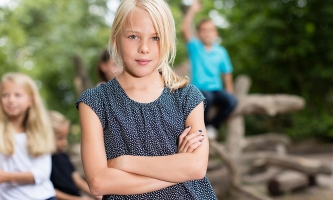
[[67, 182]]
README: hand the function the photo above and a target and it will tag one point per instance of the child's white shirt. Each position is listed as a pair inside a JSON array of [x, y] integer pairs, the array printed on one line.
[[21, 161]]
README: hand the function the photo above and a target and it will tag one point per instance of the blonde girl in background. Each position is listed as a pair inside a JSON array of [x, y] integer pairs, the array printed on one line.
[[143, 132], [26, 141]]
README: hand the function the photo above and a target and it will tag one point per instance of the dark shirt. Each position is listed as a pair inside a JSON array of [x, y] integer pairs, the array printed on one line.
[[147, 129], [61, 175]]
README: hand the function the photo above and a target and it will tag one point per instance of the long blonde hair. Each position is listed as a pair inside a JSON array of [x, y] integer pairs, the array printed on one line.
[[37, 124], [165, 26]]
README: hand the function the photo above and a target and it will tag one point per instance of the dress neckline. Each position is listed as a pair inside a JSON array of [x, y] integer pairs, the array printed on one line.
[[136, 102]]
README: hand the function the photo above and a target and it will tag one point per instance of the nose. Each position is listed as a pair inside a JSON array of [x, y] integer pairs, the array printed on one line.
[[11, 98], [144, 48]]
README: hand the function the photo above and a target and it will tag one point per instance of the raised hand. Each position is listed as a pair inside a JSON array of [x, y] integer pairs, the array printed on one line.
[[195, 6]]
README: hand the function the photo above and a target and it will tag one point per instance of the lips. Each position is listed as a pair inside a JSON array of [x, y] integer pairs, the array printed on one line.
[[142, 61]]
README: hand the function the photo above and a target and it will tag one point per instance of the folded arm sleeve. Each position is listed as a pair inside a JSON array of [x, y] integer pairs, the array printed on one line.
[[93, 98], [42, 168], [192, 98]]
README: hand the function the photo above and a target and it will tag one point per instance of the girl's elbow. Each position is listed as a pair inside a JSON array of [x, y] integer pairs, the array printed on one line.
[[95, 186], [199, 171], [199, 174]]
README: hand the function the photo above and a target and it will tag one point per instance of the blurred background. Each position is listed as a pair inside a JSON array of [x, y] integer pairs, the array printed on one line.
[[284, 46]]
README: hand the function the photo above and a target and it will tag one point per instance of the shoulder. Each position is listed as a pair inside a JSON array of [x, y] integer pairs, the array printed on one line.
[[188, 90], [189, 97], [90, 95], [220, 48], [193, 42]]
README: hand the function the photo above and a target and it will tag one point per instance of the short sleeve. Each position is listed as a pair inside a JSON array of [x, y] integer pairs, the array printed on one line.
[[192, 98], [226, 66], [193, 43], [42, 168], [94, 99]]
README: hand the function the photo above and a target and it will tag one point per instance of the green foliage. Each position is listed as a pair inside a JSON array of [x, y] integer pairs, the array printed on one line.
[[286, 47], [40, 38]]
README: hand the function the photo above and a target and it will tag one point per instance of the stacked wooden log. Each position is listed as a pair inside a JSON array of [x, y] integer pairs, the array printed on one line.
[[266, 154]]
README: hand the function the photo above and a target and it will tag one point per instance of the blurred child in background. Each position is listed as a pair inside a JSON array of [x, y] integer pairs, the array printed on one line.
[[208, 61], [67, 182], [26, 141], [107, 68]]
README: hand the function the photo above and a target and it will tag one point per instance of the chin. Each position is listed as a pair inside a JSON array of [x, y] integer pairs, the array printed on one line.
[[141, 73]]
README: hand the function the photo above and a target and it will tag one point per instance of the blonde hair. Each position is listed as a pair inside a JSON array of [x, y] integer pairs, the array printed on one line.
[[37, 124], [58, 119], [164, 24]]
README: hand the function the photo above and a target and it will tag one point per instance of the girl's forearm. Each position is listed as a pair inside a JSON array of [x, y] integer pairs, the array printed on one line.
[[177, 168], [114, 181], [19, 177]]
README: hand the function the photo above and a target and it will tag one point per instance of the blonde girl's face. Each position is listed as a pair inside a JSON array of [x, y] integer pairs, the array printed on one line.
[[15, 101], [61, 134], [138, 44]]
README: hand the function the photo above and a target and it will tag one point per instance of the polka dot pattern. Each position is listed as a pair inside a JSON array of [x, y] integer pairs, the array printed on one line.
[[146, 129]]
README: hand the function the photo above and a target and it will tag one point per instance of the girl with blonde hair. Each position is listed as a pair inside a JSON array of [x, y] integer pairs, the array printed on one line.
[[26, 141], [143, 133]]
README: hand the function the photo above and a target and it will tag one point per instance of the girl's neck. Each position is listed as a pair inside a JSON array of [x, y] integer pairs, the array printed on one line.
[[153, 80], [17, 124]]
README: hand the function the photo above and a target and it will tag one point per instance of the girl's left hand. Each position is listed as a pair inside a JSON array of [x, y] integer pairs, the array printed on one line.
[[188, 142]]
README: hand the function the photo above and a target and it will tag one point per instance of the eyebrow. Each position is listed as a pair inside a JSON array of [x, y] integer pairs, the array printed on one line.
[[137, 32]]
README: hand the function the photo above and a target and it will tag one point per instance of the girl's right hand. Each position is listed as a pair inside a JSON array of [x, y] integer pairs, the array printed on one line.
[[188, 142]]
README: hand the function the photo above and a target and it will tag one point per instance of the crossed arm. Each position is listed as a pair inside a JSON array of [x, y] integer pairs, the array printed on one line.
[[16, 177], [140, 174]]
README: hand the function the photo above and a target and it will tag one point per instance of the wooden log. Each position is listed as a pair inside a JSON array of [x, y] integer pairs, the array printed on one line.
[[236, 126], [237, 188], [268, 104], [222, 152], [297, 163], [267, 141], [263, 177], [287, 181]]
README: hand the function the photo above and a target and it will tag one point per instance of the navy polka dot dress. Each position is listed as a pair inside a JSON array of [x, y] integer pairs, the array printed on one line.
[[146, 129]]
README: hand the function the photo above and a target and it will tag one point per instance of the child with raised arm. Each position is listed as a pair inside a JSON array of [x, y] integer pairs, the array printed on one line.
[[26, 141], [67, 182], [207, 62], [143, 133]]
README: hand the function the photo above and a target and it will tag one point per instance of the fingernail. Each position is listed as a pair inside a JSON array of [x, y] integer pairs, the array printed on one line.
[[188, 127], [200, 131]]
